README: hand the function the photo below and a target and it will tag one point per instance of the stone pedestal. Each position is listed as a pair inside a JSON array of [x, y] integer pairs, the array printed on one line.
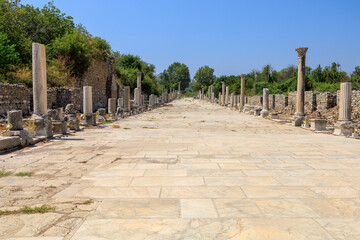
[[257, 111], [318, 125], [265, 109], [90, 119], [15, 119], [300, 98], [274, 115], [59, 127], [246, 108], [43, 126], [101, 115], [73, 123]]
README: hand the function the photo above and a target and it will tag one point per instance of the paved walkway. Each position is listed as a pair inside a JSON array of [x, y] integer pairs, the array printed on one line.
[[191, 170]]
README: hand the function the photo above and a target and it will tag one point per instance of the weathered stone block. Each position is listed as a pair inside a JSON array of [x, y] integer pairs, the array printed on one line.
[[15, 119]]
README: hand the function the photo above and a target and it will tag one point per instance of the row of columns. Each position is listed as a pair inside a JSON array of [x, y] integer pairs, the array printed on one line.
[[344, 125]]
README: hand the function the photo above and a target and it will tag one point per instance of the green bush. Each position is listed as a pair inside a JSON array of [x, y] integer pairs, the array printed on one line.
[[76, 49]]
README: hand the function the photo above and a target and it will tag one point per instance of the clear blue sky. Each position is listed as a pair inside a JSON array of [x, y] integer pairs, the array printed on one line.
[[231, 36]]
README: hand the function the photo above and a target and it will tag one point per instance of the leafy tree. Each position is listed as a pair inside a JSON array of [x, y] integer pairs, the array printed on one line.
[[8, 54], [355, 78], [203, 78], [76, 49], [175, 73], [127, 66]]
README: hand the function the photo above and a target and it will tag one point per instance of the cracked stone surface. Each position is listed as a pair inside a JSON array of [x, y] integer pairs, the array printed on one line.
[[189, 170]]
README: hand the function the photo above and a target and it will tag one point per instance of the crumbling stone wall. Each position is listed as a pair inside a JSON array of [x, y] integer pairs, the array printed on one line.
[[14, 97], [278, 102], [325, 101], [254, 100], [101, 76], [60, 97]]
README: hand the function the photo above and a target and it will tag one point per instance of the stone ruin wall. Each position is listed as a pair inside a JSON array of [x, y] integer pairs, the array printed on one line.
[[13, 96], [101, 76]]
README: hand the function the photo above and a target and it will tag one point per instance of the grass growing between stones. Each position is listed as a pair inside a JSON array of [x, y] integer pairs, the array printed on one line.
[[29, 210], [150, 127], [4, 173], [127, 128], [107, 122], [24, 174], [42, 209], [87, 202]]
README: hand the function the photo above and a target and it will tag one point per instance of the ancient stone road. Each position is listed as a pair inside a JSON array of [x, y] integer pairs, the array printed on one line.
[[191, 170]]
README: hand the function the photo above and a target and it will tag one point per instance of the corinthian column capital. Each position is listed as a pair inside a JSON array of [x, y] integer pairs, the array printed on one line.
[[301, 51]]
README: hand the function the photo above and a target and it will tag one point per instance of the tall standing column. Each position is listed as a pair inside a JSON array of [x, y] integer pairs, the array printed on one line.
[[139, 100], [222, 93], [127, 98], [87, 99], [232, 100], [42, 122], [112, 106], [242, 92], [39, 79], [344, 125], [226, 96], [345, 101], [265, 109], [90, 117], [300, 98], [179, 90]]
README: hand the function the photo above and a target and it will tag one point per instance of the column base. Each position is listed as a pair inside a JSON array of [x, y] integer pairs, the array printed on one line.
[[344, 128], [73, 123], [90, 119], [43, 127], [59, 127], [25, 136], [298, 119], [264, 113], [318, 125]]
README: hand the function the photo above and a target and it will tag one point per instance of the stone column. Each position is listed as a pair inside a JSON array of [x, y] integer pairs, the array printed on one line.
[[222, 93], [40, 121], [344, 125], [226, 96], [39, 79], [87, 99], [242, 92], [232, 100], [220, 98], [202, 94], [90, 117], [112, 106], [212, 97], [345, 101], [300, 98], [179, 90], [138, 101], [265, 109], [120, 102], [126, 98]]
